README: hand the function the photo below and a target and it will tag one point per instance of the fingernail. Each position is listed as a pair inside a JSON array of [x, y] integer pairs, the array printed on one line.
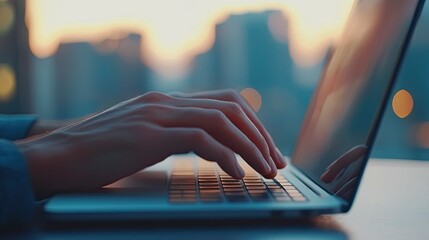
[[240, 172], [267, 167], [281, 157], [273, 169]]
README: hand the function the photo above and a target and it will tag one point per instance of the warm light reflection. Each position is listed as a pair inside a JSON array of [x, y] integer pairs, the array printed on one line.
[[402, 103], [7, 17], [7, 82], [423, 135], [253, 97], [175, 31]]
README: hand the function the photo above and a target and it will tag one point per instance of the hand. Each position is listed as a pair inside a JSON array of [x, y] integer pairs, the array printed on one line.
[[143, 131], [344, 185]]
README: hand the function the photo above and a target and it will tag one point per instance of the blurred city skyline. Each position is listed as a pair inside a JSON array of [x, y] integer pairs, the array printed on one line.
[[251, 51], [174, 32]]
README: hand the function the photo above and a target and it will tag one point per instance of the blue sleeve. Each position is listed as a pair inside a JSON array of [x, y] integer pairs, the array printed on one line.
[[15, 127], [16, 194]]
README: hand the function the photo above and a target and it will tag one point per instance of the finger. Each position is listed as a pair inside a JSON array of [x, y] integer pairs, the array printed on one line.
[[343, 162], [184, 140], [217, 125], [273, 171], [235, 114], [233, 96], [237, 98]]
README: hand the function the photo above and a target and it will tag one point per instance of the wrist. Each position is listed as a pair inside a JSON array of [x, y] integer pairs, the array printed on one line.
[[43, 161]]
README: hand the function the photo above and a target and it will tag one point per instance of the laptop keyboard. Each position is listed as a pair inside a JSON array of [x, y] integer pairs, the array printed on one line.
[[207, 183]]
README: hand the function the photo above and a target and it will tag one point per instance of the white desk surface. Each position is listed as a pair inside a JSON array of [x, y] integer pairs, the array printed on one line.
[[392, 203]]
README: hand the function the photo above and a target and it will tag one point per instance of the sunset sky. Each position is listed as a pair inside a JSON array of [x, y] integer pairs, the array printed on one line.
[[175, 31]]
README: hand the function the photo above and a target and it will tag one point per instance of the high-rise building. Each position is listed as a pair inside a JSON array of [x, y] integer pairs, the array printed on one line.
[[86, 77]]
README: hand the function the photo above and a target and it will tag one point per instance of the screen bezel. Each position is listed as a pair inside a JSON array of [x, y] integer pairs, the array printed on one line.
[[380, 112]]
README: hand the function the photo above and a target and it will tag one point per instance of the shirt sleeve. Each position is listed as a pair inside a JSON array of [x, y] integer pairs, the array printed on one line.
[[15, 127], [17, 205]]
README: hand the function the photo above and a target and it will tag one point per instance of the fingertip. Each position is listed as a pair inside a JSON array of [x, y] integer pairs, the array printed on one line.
[[237, 172], [281, 161], [267, 167], [240, 173], [271, 175], [273, 172], [280, 165]]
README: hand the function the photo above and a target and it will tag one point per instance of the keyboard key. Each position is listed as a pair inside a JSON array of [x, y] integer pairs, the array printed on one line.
[[231, 186], [252, 180], [210, 187], [227, 190], [279, 194], [182, 187], [230, 181], [254, 184], [255, 187], [277, 190], [283, 199], [256, 191], [188, 191], [292, 191], [235, 193], [207, 183], [202, 191]]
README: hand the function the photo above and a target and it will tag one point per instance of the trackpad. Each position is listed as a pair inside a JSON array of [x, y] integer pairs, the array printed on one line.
[[142, 181]]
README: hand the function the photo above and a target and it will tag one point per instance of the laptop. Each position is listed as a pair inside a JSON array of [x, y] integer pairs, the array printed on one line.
[[327, 164]]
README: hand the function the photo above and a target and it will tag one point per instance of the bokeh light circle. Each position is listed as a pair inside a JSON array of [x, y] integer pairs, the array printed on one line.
[[402, 103], [253, 97], [7, 82]]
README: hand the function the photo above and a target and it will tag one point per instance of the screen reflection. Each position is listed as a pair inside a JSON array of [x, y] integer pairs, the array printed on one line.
[[337, 131]]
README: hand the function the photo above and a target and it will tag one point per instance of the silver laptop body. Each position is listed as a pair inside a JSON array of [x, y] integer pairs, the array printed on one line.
[[324, 172]]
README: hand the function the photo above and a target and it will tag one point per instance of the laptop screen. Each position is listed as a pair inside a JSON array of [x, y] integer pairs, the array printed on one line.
[[343, 116]]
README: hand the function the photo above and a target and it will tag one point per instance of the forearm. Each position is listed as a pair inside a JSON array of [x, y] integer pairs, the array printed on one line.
[[66, 161]]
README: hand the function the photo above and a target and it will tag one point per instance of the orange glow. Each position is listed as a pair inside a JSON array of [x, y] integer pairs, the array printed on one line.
[[423, 135], [7, 82], [252, 97], [175, 31], [402, 103], [314, 25]]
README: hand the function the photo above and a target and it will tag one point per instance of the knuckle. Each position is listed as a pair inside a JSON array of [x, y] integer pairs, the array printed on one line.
[[235, 107], [152, 109], [197, 136], [232, 94], [217, 115], [153, 97]]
